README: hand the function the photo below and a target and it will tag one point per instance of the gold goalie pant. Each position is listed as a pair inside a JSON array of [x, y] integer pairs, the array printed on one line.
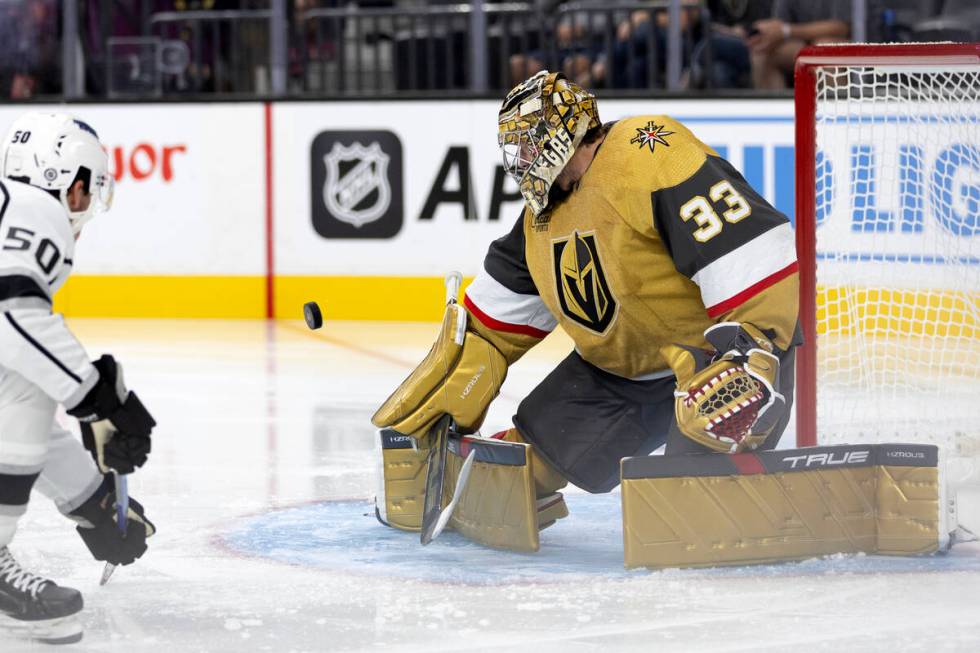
[[582, 420], [717, 509]]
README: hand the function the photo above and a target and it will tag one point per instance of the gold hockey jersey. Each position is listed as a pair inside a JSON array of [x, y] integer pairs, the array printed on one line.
[[660, 239]]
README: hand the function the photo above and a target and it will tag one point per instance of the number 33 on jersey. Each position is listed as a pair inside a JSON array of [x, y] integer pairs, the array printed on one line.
[[661, 239]]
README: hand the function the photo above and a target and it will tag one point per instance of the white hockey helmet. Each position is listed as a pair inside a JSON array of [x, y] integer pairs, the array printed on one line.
[[54, 150]]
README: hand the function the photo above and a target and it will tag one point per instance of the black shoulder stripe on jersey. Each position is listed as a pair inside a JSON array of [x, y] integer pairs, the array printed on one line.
[[6, 200], [688, 253], [15, 489], [507, 264], [51, 357], [20, 285]]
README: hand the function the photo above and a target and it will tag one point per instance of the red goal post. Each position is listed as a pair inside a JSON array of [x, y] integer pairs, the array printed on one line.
[[864, 64]]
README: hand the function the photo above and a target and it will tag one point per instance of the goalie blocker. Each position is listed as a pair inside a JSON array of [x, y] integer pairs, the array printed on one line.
[[716, 509]]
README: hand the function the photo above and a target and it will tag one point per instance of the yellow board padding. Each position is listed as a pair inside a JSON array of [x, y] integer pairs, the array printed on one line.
[[846, 311], [409, 299], [895, 312], [162, 296]]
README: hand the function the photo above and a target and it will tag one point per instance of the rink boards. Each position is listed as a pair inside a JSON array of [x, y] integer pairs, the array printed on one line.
[[250, 209]]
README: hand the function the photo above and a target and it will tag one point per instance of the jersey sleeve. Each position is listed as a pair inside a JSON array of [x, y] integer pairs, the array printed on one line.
[[503, 301], [737, 248], [34, 342]]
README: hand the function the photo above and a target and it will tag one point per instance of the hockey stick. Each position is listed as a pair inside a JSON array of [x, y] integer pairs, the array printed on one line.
[[435, 475], [433, 516], [447, 512], [453, 281], [122, 517]]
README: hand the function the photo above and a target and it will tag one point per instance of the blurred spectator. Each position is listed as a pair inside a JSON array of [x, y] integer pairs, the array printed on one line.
[[577, 36], [219, 58], [629, 65], [222, 57], [201, 41], [721, 59], [639, 54], [313, 42], [28, 48], [97, 24], [776, 41]]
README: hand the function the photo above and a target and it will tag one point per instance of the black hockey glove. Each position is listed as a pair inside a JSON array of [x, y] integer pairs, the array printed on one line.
[[115, 425], [97, 526]]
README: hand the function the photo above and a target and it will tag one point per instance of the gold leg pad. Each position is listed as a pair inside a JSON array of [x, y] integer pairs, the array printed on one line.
[[497, 507], [404, 469], [722, 510], [908, 505]]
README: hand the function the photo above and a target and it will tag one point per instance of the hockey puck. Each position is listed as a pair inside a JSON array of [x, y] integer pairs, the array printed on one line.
[[312, 315]]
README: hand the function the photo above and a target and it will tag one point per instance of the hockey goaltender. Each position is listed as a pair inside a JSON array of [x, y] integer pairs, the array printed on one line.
[[678, 284]]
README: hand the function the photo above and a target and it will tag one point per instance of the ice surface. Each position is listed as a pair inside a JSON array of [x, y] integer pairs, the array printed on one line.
[[259, 480]]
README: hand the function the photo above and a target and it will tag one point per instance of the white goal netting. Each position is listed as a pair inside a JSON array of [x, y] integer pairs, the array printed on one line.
[[898, 254]]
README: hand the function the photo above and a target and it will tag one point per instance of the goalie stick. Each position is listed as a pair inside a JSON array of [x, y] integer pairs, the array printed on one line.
[[434, 516], [447, 512], [434, 477]]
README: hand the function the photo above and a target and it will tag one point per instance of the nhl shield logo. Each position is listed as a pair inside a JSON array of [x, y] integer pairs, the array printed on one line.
[[356, 189], [356, 184]]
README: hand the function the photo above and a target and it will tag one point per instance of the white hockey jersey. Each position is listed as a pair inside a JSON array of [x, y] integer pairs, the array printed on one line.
[[36, 250]]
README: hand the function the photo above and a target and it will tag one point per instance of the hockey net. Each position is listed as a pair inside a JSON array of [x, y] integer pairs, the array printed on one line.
[[888, 236]]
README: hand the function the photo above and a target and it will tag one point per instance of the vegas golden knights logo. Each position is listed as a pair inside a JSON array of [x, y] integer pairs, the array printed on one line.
[[583, 291]]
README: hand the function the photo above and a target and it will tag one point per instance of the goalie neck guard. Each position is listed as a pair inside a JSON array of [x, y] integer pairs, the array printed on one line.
[[540, 124]]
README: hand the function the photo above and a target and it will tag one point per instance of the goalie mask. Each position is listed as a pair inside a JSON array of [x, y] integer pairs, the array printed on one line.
[[540, 124], [54, 150]]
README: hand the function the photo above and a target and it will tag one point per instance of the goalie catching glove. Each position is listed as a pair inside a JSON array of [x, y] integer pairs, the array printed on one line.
[[460, 376], [726, 398], [115, 425]]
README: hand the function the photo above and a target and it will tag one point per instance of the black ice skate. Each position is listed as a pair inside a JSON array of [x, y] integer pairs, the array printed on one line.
[[36, 608]]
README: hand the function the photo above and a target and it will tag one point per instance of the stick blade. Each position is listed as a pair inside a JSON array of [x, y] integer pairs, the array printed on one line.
[[447, 512], [434, 478], [107, 573]]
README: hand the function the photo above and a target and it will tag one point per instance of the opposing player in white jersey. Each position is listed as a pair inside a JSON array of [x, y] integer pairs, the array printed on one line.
[[53, 178]]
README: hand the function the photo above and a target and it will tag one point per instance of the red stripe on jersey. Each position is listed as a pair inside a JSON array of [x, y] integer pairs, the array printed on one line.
[[497, 325], [748, 463], [750, 292]]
